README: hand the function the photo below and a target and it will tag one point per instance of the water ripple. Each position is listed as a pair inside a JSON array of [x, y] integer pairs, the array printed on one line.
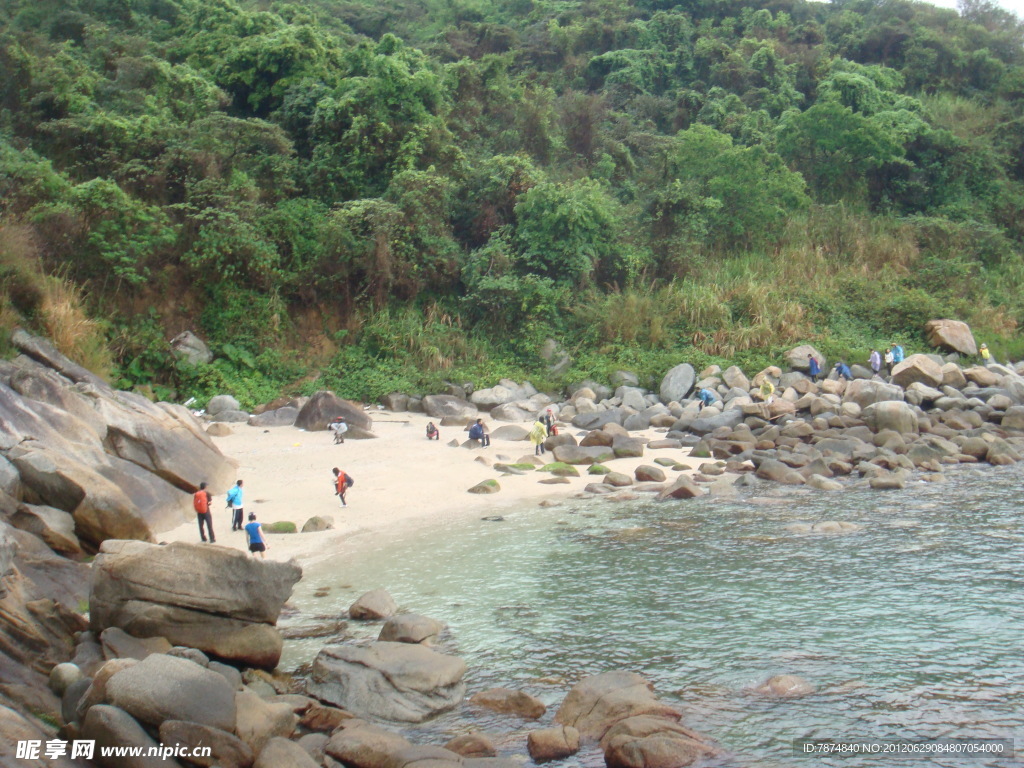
[[910, 627]]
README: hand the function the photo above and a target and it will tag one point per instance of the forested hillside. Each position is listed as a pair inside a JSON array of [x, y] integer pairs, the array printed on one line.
[[377, 194]]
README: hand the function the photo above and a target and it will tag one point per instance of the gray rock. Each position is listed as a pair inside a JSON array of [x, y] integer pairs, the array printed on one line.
[[396, 402], [894, 415], [374, 605], [226, 749], [221, 403], [42, 351], [553, 743], [162, 687], [440, 406], [212, 598], [190, 348], [624, 379], [920, 368], [259, 720], [54, 526], [63, 675], [394, 681], [324, 407], [573, 454], [280, 417], [282, 753], [677, 383], [511, 412], [411, 628], [113, 727], [318, 523], [510, 432], [507, 701]]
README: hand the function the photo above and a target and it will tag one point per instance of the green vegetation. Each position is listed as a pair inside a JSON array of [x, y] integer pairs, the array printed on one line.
[[375, 196], [560, 469], [282, 526]]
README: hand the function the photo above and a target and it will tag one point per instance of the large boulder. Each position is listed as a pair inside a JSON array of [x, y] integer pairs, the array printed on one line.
[[393, 681], [218, 600], [324, 407], [953, 335], [797, 357], [162, 687], [917, 368], [895, 415], [226, 749], [677, 383], [597, 703], [574, 454], [865, 392], [448, 406]]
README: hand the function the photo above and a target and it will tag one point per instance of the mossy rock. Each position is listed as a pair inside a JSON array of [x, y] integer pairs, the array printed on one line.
[[598, 469], [486, 486], [700, 453], [665, 461], [282, 526], [561, 469], [679, 467], [508, 469], [523, 466]]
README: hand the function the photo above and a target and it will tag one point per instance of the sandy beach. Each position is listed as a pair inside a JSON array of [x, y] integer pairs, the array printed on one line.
[[401, 480]]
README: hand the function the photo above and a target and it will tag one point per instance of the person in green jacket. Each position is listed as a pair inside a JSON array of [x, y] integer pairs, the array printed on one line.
[[538, 435]]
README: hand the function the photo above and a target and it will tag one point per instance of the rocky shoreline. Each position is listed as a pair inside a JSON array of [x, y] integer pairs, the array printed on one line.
[[85, 469]]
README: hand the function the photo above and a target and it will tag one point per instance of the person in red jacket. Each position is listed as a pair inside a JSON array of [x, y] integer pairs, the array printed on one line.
[[342, 482], [201, 501]]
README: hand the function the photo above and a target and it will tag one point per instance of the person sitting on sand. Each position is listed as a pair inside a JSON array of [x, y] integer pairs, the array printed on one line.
[[538, 434], [432, 433], [254, 534]]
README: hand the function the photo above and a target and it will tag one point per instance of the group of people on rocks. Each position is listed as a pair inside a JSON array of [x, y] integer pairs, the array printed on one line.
[[545, 426], [202, 501]]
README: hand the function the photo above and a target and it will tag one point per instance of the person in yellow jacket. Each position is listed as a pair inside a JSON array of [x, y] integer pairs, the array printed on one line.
[[986, 356], [767, 390], [538, 435]]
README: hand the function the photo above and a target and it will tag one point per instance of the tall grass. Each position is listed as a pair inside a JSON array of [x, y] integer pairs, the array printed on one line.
[[50, 305]]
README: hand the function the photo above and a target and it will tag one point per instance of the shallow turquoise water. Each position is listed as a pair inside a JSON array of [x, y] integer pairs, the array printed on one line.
[[910, 628]]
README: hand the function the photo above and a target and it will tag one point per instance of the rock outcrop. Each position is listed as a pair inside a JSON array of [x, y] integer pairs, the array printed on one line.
[[211, 598], [393, 681]]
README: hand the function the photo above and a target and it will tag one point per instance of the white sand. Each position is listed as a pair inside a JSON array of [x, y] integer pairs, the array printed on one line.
[[401, 479]]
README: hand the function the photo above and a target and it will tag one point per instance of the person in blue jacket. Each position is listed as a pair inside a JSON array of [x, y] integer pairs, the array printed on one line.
[[707, 397], [897, 353], [813, 367], [479, 432], [235, 505], [842, 369]]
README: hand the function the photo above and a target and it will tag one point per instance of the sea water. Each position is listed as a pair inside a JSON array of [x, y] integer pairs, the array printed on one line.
[[910, 628]]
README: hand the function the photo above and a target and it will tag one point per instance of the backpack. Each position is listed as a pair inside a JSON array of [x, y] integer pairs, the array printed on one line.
[[200, 502], [349, 482]]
